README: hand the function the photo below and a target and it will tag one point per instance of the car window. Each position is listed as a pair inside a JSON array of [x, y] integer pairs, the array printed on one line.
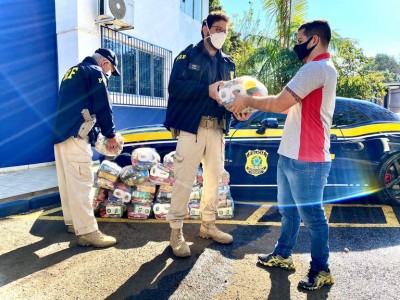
[[256, 122], [346, 115]]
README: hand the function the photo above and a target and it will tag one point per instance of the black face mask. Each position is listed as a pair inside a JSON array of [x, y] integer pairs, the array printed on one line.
[[302, 51]]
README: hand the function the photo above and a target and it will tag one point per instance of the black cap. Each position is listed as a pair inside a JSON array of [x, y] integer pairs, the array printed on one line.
[[110, 55]]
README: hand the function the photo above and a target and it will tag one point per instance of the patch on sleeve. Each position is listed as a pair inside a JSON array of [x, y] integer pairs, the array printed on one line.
[[182, 56], [295, 96]]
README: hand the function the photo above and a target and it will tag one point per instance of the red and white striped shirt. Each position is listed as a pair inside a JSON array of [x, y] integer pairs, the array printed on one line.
[[306, 135]]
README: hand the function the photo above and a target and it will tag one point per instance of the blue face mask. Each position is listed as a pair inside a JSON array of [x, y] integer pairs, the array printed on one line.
[[302, 51]]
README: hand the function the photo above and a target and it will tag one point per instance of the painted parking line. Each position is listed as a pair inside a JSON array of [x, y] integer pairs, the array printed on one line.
[[266, 214]]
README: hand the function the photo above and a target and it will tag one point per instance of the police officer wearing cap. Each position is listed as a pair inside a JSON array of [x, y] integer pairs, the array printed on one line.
[[83, 87], [195, 115]]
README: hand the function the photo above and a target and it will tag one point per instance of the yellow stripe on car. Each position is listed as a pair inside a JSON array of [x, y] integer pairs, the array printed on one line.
[[372, 128], [156, 133]]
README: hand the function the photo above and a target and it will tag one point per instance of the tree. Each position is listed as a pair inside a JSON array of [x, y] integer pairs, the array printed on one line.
[[214, 5], [270, 58], [355, 77], [240, 42], [287, 16], [388, 65], [277, 63]]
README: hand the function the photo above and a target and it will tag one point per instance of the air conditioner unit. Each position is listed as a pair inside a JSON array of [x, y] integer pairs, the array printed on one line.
[[118, 14]]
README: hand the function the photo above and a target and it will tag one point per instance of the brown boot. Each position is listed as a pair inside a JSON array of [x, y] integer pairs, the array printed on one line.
[[178, 244], [97, 239], [208, 230]]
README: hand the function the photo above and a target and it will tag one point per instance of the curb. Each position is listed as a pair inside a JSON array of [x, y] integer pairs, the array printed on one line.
[[23, 206]]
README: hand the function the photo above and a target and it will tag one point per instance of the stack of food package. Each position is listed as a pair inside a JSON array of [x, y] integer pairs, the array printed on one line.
[[225, 201], [128, 189], [132, 189], [143, 159], [105, 202], [163, 175], [195, 196]]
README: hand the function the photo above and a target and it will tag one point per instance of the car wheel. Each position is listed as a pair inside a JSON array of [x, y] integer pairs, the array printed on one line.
[[388, 176]]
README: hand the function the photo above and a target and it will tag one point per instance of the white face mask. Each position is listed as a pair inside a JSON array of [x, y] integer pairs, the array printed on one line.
[[217, 39]]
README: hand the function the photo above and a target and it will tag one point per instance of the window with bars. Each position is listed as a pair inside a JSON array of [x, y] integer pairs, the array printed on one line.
[[144, 67]]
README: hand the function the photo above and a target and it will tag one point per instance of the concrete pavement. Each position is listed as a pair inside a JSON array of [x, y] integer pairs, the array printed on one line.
[[25, 189]]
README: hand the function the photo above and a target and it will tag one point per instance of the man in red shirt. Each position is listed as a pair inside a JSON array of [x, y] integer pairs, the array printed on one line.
[[305, 161]]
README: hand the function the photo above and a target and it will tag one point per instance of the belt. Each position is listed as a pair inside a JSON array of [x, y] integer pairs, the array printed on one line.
[[210, 123]]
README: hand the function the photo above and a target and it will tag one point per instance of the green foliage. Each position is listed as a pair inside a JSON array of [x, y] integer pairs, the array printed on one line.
[[273, 65], [355, 77], [214, 5], [242, 40], [269, 57], [388, 65]]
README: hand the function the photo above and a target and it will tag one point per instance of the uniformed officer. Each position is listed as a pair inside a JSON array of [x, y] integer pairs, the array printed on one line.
[[83, 87], [195, 115]]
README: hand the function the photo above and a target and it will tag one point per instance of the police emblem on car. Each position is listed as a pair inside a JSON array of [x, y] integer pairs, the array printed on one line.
[[256, 162]]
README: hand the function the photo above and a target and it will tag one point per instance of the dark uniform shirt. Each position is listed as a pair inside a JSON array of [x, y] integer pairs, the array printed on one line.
[[193, 71], [212, 108], [83, 86]]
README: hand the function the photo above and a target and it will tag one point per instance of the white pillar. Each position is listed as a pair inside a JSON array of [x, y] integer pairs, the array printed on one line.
[[78, 35]]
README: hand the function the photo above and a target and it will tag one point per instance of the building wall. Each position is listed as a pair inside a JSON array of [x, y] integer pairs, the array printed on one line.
[[28, 79], [393, 97], [41, 39], [78, 34]]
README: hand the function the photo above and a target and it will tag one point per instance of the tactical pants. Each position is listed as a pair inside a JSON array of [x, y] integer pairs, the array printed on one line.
[[75, 181], [207, 147]]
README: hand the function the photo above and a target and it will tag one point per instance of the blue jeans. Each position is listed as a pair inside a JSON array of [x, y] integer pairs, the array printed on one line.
[[300, 191]]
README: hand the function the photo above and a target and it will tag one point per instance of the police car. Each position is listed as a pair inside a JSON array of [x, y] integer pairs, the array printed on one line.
[[365, 151]]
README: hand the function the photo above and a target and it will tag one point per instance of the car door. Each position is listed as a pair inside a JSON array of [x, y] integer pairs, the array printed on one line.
[[251, 158], [354, 154]]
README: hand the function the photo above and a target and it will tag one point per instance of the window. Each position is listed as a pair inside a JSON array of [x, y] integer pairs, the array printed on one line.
[[192, 8], [346, 115], [145, 69]]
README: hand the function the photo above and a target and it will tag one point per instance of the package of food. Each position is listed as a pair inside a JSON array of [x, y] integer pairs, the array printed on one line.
[[102, 142], [132, 176], [108, 170], [226, 212], [168, 160], [144, 158], [159, 174], [139, 211], [246, 85], [123, 192], [194, 211], [161, 210]]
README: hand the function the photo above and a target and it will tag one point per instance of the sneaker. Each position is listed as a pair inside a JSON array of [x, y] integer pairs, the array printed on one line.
[[315, 280], [272, 260], [97, 239]]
